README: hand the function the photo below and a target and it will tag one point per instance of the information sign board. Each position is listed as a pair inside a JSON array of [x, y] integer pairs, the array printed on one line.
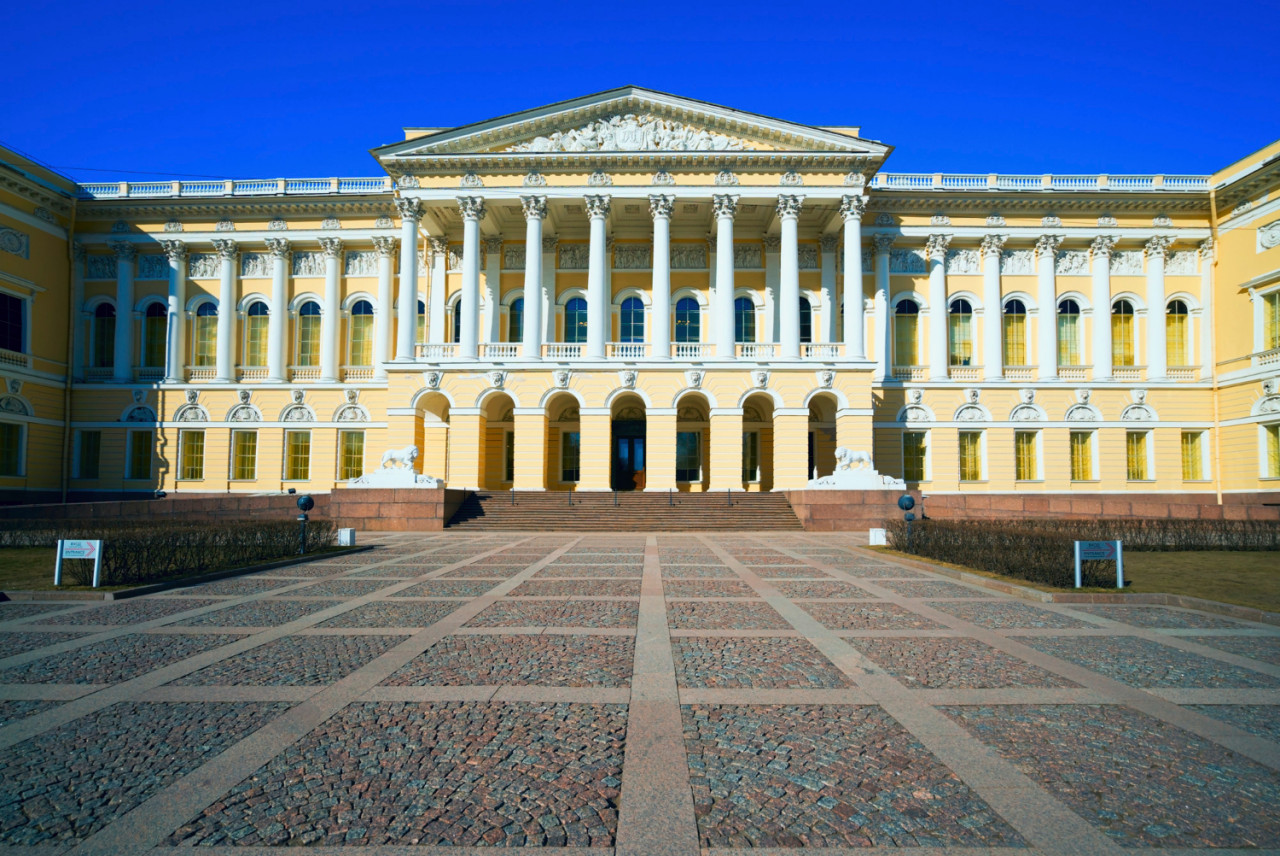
[[72, 549], [1105, 551]]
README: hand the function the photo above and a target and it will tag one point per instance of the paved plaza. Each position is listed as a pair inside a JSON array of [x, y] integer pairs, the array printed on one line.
[[631, 694]]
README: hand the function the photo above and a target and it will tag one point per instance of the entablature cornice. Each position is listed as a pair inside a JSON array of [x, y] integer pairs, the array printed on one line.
[[299, 238], [889, 201], [522, 162], [163, 209], [28, 189], [1030, 234]]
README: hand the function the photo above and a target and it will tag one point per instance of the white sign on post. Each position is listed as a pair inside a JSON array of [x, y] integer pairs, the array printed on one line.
[[79, 550], [1105, 551]]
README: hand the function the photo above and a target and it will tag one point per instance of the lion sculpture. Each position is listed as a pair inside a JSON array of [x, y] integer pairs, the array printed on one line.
[[400, 457], [848, 459]]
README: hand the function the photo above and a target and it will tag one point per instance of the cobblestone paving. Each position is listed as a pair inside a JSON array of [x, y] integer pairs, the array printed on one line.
[[554, 661], [737, 663], [114, 660], [877, 570], [954, 663], [127, 612], [723, 615], [294, 661], [257, 613], [13, 644], [1260, 719], [868, 616], [340, 588], [909, 588], [79, 777], [384, 613], [789, 572], [235, 587], [694, 572], [593, 570], [12, 711], [1009, 615], [398, 570], [819, 589], [1142, 663], [707, 588], [1262, 648], [11, 611], [322, 569], [1159, 616], [1145, 783], [569, 588], [825, 776], [450, 774], [446, 588], [558, 613]]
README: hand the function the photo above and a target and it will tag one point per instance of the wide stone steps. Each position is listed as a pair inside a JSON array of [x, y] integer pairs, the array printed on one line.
[[625, 512]]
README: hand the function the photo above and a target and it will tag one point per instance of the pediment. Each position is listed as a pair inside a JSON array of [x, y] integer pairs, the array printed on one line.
[[628, 122]]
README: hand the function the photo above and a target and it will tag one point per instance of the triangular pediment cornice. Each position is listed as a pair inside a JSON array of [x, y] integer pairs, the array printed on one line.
[[627, 125]]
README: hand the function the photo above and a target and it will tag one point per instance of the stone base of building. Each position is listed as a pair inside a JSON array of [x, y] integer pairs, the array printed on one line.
[[213, 506], [395, 510]]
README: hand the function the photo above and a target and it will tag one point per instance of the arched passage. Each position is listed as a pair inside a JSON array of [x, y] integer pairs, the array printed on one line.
[[498, 442], [693, 431], [627, 451], [822, 435], [563, 446], [757, 443], [431, 434]]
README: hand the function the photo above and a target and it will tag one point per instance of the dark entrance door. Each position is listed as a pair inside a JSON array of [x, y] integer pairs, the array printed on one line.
[[628, 455]]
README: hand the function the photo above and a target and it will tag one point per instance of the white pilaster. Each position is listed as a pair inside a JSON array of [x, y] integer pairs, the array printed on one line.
[[937, 250], [226, 345], [598, 258], [725, 206], [1157, 353], [410, 210], [332, 325], [826, 331], [473, 211], [386, 247], [884, 358], [277, 347], [535, 211], [1206, 308], [549, 245], [660, 319], [789, 276], [173, 368], [772, 274], [125, 255], [1101, 272], [77, 310], [1046, 271], [851, 209], [439, 252], [992, 310], [492, 331]]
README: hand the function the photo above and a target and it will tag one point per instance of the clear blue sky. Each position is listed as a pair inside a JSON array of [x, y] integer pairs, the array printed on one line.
[[130, 90]]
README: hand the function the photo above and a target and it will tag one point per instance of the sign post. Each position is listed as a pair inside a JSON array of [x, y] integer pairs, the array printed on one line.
[[79, 550], [1105, 551]]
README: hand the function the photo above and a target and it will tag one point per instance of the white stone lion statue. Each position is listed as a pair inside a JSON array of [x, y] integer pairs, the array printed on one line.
[[400, 457], [848, 459]]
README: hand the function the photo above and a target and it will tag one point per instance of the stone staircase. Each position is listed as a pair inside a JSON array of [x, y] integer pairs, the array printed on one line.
[[624, 511]]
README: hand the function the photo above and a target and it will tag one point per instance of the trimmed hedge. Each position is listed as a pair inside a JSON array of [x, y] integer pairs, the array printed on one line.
[[138, 553], [1043, 551]]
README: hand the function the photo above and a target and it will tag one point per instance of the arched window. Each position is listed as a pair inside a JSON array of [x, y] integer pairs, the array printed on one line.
[[960, 327], [688, 320], [309, 334], [1177, 326], [905, 327], [456, 326], [154, 332], [631, 321], [806, 320], [104, 335], [255, 334], [1069, 333], [575, 321], [421, 337], [204, 344], [360, 334], [1122, 344], [744, 320], [515, 320], [1015, 333]]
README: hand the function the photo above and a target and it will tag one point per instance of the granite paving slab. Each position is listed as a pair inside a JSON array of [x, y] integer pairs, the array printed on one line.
[[1265, 649], [880, 615], [559, 613], [111, 661], [556, 569], [127, 611], [1159, 616], [293, 661], [389, 613], [1008, 615], [340, 588], [707, 588], [1260, 719], [13, 643], [723, 615], [788, 572], [676, 572], [447, 588], [556, 661], [819, 589], [235, 586], [15, 611], [1143, 663], [877, 570], [929, 588], [570, 588], [268, 612], [954, 663], [14, 709], [747, 663]]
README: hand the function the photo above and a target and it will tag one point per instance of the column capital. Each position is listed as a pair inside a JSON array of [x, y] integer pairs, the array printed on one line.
[[493, 244], [597, 206], [993, 244], [225, 248], [882, 243], [278, 247], [1102, 246], [853, 207], [1206, 249], [724, 205], [332, 247], [772, 244], [472, 207], [661, 206], [790, 205], [1047, 245], [175, 250], [549, 243], [124, 250], [936, 247], [408, 208], [437, 246], [1159, 245], [829, 243], [385, 245], [535, 207]]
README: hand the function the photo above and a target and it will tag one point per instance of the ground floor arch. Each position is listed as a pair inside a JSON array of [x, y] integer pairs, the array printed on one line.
[[628, 437]]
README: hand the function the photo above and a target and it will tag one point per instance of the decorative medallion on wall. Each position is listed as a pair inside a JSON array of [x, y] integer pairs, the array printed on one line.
[[383, 222], [1269, 236], [939, 220], [599, 178], [1162, 221], [497, 379], [826, 377], [407, 181], [224, 225], [351, 413], [1139, 410], [560, 377], [855, 179], [471, 180], [297, 413], [996, 220], [791, 178], [885, 220], [535, 179], [1053, 221], [725, 178], [662, 178], [1107, 220], [432, 379], [15, 243], [277, 224], [173, 225], [694, 378], [330, 222], [15, 405], [628, 378], [760, 378]]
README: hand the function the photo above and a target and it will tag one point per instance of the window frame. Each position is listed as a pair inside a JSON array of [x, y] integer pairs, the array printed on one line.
[[1269, 441], [1148, 455], [298, 325], [915, 331], [1037, 456], [1131, 359], [1077, 336], [184, 438], [1092, 446], [20, 455], [78, 459], [744, 319], [1187, 357], [925, 457], [150, 337], [343, 474], [981, 436], [24, 302], [577, 470], [131, 454], [369, 327], [197, 314], [256, 335], [287, 472], [1202, 441], [233, 463], [580, 316], [697, 434], [102, 356], [751, 452], [1014, 354], [691, 331], [954, 359]]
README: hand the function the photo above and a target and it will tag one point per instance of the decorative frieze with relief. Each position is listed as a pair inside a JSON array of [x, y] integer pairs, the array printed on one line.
[[1018, 262], [361, 263], [308, 264], [632, 133], [907, 261], [153, 267], [632, 257], [1126, 263], [203, 266], [962, 262], [1072, 263]]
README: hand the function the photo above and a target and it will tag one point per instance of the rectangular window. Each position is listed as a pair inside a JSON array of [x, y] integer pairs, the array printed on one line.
[[10, 449], [961, 338], [350, 455], [1015, 338], [244, 455], [297, 456], [1135, 444], [1027, 464], [205, 347], [688, 456], [308, 340], [13, 314], [915, 447], [139, 463], [1273, 451], [1177, 345], [1082, 456], [192, 451], [1192, 455], [90, 454], [255, 340], [1122, 343], [904, 340], [570, 455], [970, 456], [361, 340], [509, 456], [751, 456], [1271, 321], [154, 334], [1068, 338]]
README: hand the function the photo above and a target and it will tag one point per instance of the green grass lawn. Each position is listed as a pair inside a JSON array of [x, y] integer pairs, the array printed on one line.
[[1238, 577]]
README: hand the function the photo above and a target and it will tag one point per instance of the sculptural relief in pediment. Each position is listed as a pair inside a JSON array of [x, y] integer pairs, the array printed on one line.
[[629, 132]]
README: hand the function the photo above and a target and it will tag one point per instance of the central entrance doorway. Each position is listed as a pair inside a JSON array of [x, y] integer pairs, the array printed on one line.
[[628, 455]]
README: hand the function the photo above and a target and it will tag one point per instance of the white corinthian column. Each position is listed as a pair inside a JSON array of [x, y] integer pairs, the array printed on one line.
[[473, 211], [276, 348], [332, 248], [936, 247], [386, 247], [1101, 270], [535, 211], [851, 209], [177, 253], [725, 207], [597, 282], [789, 276], [1046, 261], [226, 347], [1157, 355], [884, 360], [123, 357], [992, 311], [410, 210], [660, 325]]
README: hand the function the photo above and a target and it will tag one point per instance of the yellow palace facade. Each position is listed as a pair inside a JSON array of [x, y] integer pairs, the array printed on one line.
[[633, 290]]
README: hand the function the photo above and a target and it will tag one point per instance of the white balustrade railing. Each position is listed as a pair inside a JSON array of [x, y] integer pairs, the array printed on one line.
[[357, 373], [822, 351], [561, 351], [964, 182], [242, 187], [1268, 358], [692, 350], [252, 372], [1019, 182], [1128, 373], [1131, 182], [304, 372], [146, 374], [256, 187], [200, 188], [199, 372], [1075, 374], [1186, 182], [1184, 374], [1020, 374], [964, 373], [435, 352], [14, 358], [307, 185], [910, 372], [500, 350], [755, 351], [994, 181], [99, 374], [628, 350]]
